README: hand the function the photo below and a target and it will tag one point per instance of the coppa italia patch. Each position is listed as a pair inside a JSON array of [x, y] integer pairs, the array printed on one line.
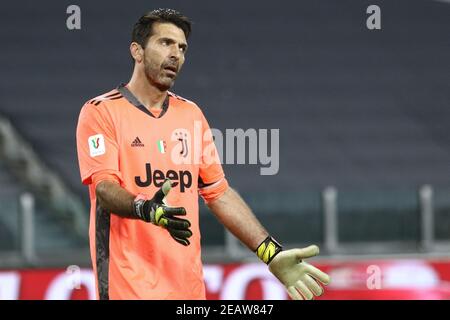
[[96, 145]]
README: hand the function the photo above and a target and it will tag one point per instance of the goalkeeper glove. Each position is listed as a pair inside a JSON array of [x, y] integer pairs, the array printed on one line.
[[300, 278], [158, 213]]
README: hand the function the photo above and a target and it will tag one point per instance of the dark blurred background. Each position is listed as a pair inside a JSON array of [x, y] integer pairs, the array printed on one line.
[[363, 115]]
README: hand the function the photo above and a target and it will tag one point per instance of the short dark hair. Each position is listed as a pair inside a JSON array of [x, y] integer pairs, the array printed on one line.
[[142, 29]]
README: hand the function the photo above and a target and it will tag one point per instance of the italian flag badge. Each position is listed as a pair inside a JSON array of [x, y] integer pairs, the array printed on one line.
[[162, 146]]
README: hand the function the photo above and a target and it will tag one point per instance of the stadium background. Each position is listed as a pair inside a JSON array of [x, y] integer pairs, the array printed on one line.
[[364, 124]]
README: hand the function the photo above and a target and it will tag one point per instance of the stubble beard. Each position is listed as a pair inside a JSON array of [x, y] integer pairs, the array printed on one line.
[[153, 73]]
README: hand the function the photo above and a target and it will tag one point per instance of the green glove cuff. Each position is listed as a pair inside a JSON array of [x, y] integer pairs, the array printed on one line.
[[268, 249]]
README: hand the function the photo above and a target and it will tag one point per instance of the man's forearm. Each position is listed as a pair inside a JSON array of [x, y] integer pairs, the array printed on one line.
[[232, 211], [112, 197], [302, 280]]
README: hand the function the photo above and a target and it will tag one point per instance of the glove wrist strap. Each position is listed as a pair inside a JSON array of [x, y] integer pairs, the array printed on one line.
[[140, 207], [268, 249]]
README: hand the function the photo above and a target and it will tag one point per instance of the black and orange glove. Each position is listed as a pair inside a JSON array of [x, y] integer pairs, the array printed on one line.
[[158, 213]]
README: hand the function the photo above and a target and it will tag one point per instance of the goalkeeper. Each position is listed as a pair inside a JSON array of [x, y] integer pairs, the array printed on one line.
[[134, 145]]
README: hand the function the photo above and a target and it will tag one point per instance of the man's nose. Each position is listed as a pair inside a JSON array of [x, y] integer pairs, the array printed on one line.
[[175, 53]]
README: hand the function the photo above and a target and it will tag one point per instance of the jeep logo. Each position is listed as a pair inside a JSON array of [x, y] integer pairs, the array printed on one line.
[[181, 178]]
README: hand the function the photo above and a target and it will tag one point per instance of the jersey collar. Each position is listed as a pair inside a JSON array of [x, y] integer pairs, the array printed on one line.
[[135, 102]]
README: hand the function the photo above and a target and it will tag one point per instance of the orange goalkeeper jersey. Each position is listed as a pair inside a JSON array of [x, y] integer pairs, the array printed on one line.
[[117, 135]]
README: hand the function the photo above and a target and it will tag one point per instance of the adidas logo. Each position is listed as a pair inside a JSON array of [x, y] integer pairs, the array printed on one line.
[[137, 143]]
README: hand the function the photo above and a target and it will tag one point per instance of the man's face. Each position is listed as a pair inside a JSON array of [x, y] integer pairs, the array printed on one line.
[[164, 55]]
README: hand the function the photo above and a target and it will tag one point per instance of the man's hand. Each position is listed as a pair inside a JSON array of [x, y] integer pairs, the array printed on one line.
[[158, 213], [300, 278]]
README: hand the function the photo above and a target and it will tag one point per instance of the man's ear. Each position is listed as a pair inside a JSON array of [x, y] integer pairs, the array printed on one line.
[[136, 52]]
